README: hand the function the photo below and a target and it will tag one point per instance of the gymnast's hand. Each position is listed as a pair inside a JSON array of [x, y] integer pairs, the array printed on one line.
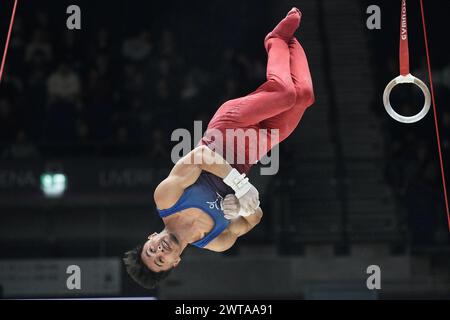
[[231, 206], [233, 209]]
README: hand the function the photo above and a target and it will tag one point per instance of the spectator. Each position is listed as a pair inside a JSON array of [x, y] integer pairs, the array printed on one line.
[[39, 44], [190, 89], [103, 43], [138, 47], [63, 84]]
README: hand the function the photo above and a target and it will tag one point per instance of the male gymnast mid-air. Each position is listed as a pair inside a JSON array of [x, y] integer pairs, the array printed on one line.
[[207, 201]]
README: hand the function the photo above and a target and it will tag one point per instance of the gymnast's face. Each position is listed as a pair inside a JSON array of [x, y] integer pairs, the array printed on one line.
[[161, 252]]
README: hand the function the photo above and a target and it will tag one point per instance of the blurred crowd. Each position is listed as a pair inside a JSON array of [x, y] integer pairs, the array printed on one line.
[[82, 92]]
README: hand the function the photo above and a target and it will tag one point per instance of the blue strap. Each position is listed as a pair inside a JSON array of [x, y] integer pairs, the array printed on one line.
[[178, 206], [218, 228]]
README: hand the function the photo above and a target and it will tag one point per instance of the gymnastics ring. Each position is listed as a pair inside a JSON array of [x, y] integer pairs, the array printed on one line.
[[409, 78]]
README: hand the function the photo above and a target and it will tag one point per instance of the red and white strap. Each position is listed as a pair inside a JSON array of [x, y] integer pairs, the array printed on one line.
[[405, 76]]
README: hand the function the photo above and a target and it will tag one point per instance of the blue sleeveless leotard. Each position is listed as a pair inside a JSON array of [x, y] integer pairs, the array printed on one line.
[[205, 194]]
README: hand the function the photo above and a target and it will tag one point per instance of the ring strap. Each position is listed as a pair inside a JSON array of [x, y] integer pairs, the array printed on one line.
[[404, 48]]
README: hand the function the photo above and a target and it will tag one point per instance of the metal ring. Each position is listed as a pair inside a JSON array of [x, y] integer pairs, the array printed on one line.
[[409, 78]]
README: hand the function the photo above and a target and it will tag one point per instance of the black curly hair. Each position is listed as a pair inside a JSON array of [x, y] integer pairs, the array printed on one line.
[[139, 272]]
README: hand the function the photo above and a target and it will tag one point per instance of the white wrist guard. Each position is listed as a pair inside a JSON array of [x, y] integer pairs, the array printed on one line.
[[244, 213], [238, 182]]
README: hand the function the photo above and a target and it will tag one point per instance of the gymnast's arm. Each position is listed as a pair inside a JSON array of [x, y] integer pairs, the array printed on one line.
[[186, 171], [237, 228]]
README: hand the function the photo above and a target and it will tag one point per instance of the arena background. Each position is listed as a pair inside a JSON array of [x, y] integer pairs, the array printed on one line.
[[98, 105]]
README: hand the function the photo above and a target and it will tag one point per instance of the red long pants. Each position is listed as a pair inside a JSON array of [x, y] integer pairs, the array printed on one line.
[[279, 103]]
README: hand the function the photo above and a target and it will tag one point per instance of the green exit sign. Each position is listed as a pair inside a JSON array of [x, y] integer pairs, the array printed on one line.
[[53, 184]]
